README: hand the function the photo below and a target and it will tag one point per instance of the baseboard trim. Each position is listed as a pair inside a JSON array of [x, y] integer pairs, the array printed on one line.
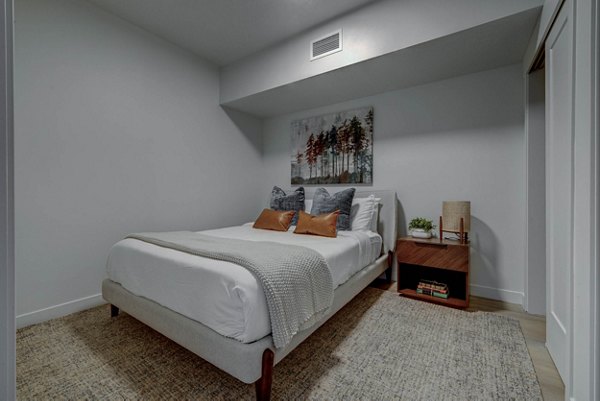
[[53, 312], [56, 311], [513, 297]]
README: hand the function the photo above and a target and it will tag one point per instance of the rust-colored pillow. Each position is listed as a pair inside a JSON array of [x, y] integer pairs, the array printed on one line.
[[323, 224], [274, 220]]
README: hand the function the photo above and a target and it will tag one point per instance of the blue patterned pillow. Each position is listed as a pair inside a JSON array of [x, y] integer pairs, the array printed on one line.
[[342, 201], [281, 201]]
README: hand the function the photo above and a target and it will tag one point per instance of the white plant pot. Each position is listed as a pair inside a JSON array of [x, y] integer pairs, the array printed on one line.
[[420, 233]]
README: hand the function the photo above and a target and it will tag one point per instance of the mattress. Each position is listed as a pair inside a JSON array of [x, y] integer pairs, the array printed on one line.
[[222, 295]]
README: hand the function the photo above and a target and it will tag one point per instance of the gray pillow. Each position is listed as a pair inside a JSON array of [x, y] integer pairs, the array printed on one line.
[[294, 201], [342, 201]]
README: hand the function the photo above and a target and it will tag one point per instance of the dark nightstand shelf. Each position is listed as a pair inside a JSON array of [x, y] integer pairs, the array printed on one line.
[[430, 259]]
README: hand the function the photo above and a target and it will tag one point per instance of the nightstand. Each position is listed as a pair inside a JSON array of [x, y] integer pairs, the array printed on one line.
[[429, 259]]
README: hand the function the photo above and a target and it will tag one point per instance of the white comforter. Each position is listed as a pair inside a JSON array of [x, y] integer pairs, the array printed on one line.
[[222, 295]]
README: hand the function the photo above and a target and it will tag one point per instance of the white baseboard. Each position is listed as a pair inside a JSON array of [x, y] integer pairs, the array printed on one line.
[[53, 312], [513, 297]]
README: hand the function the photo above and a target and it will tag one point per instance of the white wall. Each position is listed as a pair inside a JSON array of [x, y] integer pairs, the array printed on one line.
[[377, 29], [461, 138], [117, 131]]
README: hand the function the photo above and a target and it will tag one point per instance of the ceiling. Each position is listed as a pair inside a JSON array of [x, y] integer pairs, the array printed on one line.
[[223, 31]]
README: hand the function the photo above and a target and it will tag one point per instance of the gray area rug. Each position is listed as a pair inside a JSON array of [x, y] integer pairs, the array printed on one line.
[[379, 347]]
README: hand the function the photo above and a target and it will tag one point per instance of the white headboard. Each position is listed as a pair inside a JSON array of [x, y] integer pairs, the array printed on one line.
[[388, 212]]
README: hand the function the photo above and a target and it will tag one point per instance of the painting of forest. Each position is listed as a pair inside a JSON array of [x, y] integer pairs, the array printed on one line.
[[333, 148]]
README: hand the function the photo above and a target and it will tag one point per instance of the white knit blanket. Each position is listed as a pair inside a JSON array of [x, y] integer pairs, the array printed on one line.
[[296, 280]]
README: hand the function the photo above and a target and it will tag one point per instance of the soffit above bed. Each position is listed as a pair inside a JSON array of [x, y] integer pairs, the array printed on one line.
[[486, 46], [223, 31]]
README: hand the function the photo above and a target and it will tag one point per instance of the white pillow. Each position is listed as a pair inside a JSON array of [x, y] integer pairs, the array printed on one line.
[[307, 205], [362, 214]]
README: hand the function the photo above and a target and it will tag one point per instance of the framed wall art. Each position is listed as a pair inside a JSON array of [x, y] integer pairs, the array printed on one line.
[[334, 148]]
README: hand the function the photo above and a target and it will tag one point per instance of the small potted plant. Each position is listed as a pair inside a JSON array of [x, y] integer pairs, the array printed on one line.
[[420, 227]]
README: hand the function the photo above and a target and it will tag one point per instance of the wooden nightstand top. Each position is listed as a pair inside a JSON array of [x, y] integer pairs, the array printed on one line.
[[448, 255], [434, 241]]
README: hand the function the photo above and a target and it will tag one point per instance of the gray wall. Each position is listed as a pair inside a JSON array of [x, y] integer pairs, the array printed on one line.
[[117, 131], [461, 138]]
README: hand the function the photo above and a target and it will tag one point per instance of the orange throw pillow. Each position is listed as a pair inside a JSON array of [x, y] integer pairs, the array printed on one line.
[[274, 220], [323, 224]]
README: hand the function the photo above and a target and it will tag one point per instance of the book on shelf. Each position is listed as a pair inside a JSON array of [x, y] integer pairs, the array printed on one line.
[[433, 294], [433, 285], [433, 288]]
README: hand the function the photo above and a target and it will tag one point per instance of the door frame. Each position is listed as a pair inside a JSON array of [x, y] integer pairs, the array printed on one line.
[[559, 326], [596, 251], [582, 383], [7, 265]]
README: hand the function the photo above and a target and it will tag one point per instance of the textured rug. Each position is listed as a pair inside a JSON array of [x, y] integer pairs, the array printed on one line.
[[379, 347]]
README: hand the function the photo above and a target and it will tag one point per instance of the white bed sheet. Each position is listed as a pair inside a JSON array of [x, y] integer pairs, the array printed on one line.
[[222, 295]]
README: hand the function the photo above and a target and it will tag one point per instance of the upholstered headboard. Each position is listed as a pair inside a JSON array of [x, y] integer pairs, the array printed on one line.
[[388, 218]]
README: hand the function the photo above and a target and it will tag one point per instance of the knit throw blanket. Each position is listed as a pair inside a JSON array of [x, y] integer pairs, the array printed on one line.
[[296, 280]]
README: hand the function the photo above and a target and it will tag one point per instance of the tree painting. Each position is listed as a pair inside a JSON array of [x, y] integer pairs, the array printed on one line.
[[333, 148]]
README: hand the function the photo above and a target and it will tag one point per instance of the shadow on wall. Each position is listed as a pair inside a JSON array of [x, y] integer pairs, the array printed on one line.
[[401, 220], [460, 104], [484, 254], [248, 125]]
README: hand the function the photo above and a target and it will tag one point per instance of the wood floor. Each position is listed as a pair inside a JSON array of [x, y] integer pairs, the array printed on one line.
[[534, 330]]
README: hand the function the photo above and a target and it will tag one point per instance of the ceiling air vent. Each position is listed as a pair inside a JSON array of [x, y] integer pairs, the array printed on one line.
[[326, 45]]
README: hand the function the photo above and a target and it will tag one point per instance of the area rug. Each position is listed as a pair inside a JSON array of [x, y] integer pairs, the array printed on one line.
[[379, 347]]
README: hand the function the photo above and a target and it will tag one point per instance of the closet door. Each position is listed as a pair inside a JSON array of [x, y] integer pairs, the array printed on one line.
[[559, 186]]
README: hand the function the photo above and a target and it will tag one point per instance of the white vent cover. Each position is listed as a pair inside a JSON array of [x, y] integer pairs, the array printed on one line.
[[329, 44]]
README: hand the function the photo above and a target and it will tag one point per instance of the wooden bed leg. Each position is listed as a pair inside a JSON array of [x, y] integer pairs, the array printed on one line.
[[388, 275], [263, 385], [114, 311]]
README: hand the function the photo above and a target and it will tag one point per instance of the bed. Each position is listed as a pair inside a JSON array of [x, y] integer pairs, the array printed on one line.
[[220, 314]]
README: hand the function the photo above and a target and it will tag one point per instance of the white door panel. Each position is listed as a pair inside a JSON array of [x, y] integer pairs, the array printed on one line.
[[559, 186]]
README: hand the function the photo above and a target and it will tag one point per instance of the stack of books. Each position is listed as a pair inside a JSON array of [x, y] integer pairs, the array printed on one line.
[[433, 288]]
